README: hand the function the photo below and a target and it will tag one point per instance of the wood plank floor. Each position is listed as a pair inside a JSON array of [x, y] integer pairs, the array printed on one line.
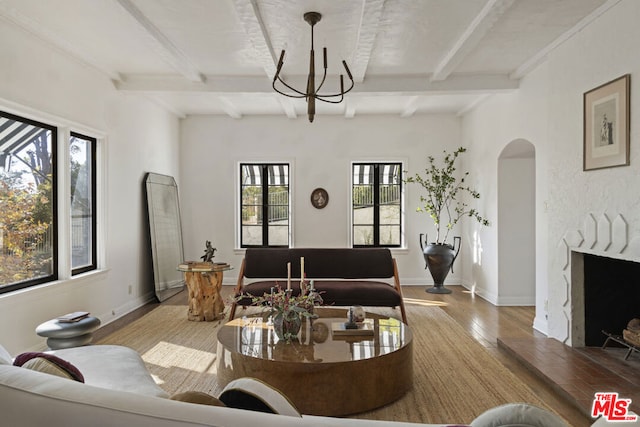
[[484, 321], [487, 323]]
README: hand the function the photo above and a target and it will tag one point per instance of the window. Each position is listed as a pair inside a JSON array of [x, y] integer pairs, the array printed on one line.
[[82, 155], [264, 190], [376, 204], [28, 223], [30, 228]]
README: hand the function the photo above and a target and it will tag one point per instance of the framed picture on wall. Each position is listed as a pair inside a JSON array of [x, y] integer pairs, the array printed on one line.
[[606, 125]]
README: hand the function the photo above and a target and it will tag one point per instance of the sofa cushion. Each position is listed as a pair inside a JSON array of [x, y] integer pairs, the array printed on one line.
[[322, 263], [49, 364], [336, 292], [518, 415], [114, 367]]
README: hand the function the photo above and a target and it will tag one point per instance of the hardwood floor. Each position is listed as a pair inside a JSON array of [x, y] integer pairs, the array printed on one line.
[[487, 323], [484, 321]]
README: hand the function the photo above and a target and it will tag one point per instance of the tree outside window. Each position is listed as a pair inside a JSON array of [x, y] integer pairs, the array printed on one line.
[[27, 202]]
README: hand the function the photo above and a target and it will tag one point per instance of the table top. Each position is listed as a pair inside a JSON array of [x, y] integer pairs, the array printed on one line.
[[203, 267], [254, 336]]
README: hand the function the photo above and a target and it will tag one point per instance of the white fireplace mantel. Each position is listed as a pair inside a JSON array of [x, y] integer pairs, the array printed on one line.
[[599, 236]]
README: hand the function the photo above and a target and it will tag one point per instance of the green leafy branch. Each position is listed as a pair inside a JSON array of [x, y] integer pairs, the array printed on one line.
[[443, 190]]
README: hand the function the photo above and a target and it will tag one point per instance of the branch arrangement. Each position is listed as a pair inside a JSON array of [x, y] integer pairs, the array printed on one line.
[[443, 190]]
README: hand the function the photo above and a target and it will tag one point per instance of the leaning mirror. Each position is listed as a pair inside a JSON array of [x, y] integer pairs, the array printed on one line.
[[165, 230]]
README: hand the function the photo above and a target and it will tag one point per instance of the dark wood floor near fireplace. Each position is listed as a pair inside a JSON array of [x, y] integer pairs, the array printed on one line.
[[577, 374]]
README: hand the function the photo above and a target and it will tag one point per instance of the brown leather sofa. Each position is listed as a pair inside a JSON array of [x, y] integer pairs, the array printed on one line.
[[345, 276]]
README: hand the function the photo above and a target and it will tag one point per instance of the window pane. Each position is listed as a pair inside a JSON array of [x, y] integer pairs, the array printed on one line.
[[362, 235], [251, 235], [278, 235], [81, 151], [390, 214], [27, 202], [390, 235]]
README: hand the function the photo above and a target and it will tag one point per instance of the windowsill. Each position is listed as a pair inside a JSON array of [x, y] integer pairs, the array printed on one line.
[[55, 286]]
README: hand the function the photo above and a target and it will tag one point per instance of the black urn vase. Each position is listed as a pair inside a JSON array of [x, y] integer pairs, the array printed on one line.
[[439, 259]]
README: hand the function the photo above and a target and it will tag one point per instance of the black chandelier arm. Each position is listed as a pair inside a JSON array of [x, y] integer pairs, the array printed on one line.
[[300, 94], [328, 101], [333, 95]]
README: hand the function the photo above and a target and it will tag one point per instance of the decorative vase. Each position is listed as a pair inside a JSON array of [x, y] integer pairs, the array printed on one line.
[[439, 258], [287, 325]]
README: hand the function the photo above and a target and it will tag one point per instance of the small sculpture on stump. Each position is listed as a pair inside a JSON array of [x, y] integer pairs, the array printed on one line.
[[209, 252]]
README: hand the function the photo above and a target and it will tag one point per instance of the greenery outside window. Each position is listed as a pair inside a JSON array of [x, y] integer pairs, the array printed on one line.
[[376, 196], [264, 190], [82, 154], [28, 223]]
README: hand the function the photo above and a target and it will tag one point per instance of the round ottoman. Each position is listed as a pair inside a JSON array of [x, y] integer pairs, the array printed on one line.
[[65, 335]]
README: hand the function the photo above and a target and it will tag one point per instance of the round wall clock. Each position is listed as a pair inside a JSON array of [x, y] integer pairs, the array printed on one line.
[[319, 198]]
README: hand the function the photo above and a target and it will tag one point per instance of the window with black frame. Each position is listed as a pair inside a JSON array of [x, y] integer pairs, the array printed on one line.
[[82, 155], [376, 196], [28, 213], [264, 189]]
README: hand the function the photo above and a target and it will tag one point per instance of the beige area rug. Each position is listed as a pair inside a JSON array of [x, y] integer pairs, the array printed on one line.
[[456, 379]]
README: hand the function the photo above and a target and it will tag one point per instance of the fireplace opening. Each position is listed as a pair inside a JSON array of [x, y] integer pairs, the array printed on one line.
[[611, 296]]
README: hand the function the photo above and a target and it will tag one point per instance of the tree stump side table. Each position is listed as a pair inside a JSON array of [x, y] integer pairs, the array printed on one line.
[[204, 285]]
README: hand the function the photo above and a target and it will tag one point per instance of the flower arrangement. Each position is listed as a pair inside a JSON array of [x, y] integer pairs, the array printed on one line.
[[443, 189], [286, 310]]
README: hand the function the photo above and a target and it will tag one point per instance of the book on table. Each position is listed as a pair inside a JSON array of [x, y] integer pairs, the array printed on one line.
[[73, 317], [364, 328]]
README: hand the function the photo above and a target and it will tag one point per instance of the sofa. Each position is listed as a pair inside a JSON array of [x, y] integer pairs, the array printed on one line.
[[119, 391], [343, 276]]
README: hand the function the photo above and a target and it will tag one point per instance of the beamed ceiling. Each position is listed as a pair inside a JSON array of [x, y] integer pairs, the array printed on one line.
[[219, 56]]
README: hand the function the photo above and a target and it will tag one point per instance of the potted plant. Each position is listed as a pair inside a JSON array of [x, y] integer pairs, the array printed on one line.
[[443, 202]]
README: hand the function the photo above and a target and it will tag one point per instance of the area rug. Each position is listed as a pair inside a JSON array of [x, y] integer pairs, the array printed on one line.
[[455, 378]]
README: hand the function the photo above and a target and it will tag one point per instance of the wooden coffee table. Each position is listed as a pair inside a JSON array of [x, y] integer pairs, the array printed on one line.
[[321, 374]]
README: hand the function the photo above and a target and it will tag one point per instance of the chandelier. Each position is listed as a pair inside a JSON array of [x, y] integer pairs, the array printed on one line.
[[312, 93]]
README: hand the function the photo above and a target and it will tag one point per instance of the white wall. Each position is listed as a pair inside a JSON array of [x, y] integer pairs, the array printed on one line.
[[547, 111], [487, 130], [136, 136], [321, 154]]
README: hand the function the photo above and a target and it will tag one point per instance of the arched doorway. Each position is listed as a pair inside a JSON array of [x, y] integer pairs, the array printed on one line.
[[516, 224]]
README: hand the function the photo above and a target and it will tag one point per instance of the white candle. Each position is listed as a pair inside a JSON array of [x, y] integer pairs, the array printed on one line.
[[288, 275], [301, 269]]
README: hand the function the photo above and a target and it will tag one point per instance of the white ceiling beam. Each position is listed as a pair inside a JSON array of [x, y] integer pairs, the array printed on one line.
[[253, 25], [539, 57], [414, 85], [287, 106], [410, 108], [367, 31], [470, 38], [161, 44], [229, 108], [349, 109], [39, 30]]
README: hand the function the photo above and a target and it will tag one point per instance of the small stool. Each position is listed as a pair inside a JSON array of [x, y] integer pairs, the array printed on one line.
[[66, 335]]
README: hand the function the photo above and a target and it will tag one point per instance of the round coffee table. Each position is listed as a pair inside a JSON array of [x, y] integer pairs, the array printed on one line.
[[321, 374]]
